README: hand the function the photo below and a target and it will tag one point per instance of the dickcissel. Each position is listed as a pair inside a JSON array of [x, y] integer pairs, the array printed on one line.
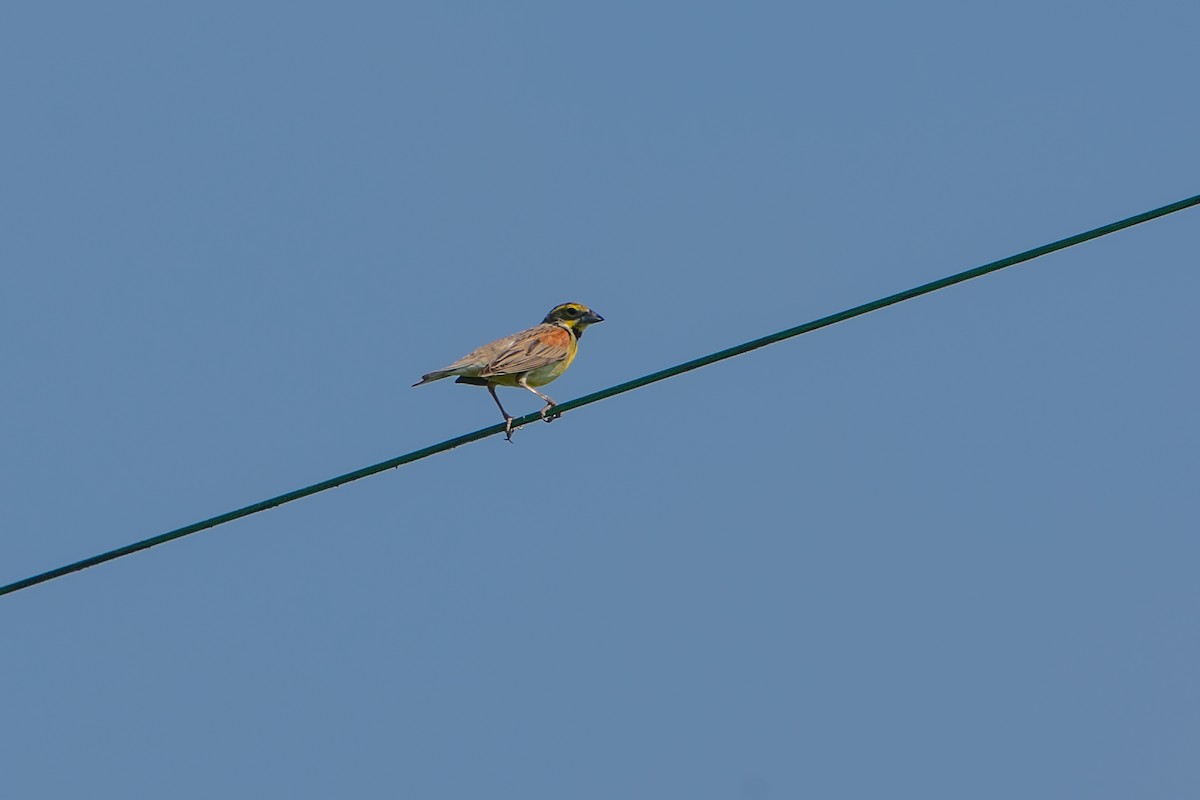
[[533, 357]]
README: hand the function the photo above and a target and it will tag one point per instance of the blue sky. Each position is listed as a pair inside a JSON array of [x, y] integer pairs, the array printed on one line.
[[944, 550]]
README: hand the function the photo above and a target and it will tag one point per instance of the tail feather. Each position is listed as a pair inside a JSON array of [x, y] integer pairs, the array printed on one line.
[[436, 375]]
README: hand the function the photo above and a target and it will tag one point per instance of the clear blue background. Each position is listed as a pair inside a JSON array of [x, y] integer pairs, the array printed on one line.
[[946, 550]]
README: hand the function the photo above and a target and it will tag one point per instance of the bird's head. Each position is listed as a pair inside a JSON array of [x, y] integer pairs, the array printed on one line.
[[573, 316]]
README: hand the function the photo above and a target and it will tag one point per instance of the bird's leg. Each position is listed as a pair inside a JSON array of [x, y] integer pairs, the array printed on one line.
[[508, 430], [549, 401]]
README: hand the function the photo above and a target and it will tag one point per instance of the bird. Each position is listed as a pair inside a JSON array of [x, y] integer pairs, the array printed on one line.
[[531, 358]]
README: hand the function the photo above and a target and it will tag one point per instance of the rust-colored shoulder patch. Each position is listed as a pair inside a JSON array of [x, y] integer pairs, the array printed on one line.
[[554, 336]]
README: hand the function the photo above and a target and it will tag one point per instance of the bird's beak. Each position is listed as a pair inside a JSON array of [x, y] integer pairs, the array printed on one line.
[[591, 318]]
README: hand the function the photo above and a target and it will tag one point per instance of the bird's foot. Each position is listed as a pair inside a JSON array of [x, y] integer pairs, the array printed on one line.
[[508, 428], [549, 414]]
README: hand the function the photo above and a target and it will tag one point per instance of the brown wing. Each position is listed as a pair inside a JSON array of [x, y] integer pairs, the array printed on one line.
[[531, 349]]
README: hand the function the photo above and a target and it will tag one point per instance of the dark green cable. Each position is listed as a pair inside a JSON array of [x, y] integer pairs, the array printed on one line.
[[603, 394]]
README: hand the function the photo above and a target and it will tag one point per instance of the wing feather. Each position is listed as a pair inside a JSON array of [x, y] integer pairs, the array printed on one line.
[[530, 350]]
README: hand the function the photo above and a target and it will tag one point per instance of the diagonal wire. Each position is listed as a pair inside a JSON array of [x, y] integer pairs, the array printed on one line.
[[603, 394]]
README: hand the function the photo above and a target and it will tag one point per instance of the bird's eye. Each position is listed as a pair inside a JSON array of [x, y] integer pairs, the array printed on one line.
[[573, 312]]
